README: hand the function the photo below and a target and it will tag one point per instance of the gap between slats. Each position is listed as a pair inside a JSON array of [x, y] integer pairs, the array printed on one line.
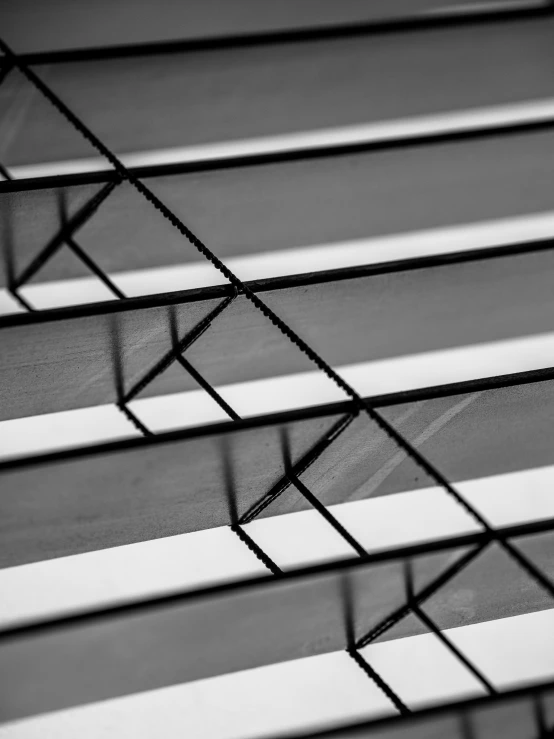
[[80, 427], [348, 254], [189, 561], [441, 124], [314, 692]]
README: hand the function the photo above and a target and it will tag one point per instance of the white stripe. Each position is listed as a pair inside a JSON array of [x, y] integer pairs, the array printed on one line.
[[300, 260], [292, 540], [122, 574], [298, 694], [308, 389], [508, 651], [53, 431], [305, 538], [485, 7], [315, 691], [381, 131], [35, 434]]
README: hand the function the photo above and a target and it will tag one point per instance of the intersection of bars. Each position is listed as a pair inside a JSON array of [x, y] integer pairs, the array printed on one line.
[[414, 601]]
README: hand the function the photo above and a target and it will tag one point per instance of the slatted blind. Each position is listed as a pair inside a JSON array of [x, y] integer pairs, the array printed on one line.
[[266, 263]]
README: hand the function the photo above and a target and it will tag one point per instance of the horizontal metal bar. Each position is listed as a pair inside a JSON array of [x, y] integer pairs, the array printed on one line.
[[324, 410], [96, 656], [393, 135], [79, 498], [216, 24], [385, 316], [331, 200], [343, 85]]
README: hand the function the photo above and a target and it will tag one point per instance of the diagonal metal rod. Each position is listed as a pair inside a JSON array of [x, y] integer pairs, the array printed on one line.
[[94, 268], [69, 228], [441, 636], [175, 355], [137, 423], [301, 466], [460, 656], [21, 300], [205, 385], [171, 356], [327, 515], [364, 665], [256, 550], [285, 329], [425, 593], [381, 422]]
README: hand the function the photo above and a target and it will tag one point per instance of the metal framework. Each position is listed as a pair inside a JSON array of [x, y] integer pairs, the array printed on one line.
[[43, 637]]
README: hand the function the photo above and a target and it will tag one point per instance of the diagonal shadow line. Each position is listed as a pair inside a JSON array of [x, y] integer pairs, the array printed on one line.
[[67, 230], [539, 716], [466, 726], [6, 224], [116, 353], [232, 506], [3, 171], [5, 69], [8, 251], [182, 345], [229, 482], [62, 207], [348, 610]]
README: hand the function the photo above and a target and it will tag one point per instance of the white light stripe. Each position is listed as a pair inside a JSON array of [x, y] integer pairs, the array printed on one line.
[[485, 7], [188, 561], [302, 693], [382, 131], [432, 674], [406, 518], [122, 574], [315, 691], [65, 429], [308, 389], [509, 651], [54, 431], [301, 260]]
